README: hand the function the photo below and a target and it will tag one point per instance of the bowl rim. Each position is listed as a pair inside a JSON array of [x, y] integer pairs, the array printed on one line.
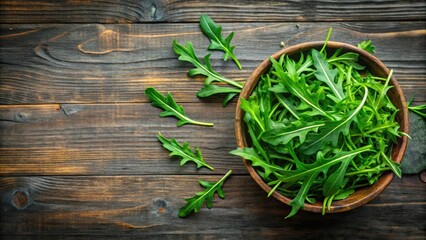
[[361, 196]]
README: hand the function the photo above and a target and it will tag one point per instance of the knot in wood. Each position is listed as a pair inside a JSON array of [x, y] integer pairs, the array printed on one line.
[[160, 206], [20, 200]]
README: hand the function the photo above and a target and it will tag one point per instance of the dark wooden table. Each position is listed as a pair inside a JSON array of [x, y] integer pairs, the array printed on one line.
[[79, 157]]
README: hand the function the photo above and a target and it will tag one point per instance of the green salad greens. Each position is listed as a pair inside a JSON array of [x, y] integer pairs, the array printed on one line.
[[321, 125]]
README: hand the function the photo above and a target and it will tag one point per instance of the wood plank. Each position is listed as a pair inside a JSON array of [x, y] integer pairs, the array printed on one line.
[[109, 139], [133, 11], [146, 206], [115, 63]]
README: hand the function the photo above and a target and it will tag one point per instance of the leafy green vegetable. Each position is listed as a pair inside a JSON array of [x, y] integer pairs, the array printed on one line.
[[327, 75], [419, 109], [330, 132], [171, 108], [187, 54], [184, 151], [367, 46], [195, 203], [251, 154], [214, 33], [321, 126], [283, 135]]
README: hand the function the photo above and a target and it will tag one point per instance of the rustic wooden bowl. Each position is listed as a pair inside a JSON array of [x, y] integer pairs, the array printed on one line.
[[362, 195]]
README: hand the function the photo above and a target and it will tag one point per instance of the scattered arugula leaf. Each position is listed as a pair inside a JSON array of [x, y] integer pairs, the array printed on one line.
[[418, 109], [214, 33], [195, 203], [187, 53], [171, 108], [184, 151]]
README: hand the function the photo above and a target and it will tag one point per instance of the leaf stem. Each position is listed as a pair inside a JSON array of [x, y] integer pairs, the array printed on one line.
[[202, 123], [326, 39]]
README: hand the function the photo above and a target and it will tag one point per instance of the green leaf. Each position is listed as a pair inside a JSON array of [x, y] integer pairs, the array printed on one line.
[[195, 203], [188, 54], [299, 201], [228, 98], [184, 151], [252, 108], [298, 89], [214, 33], [349, 58], [335, 180], [307, 173], [331, 131], [285, 134], [210, 90], [256, 161], [394, 166], [171, 108], [419, 109], [327, 75], [367, 46]]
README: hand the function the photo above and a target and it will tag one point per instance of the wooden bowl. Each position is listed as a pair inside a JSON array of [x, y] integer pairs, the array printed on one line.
[[362, 195]]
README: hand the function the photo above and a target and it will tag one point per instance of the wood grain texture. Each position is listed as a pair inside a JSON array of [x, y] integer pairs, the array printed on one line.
[[109, 139], [146, 206], [134, 11], [115, 63], [79, 157]]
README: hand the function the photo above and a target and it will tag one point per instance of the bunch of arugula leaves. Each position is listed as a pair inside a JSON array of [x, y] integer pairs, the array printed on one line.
[[321, 126]]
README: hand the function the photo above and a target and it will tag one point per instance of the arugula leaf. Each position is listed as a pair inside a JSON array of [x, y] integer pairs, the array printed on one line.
[[419, 109], [195, 203], [367, 46], [209, 90], [187, 54], [171, 108], [214, 33], [184, 151], [285, 134], [327, 75], [395, 167], [299, 201], [297, 88], [256, 160], [330, 132], [252, 108], [308, 172]]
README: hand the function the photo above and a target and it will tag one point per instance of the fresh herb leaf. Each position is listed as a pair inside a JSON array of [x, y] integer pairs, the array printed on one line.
[[419, 109], [367, 46], [257, 161], [330, 132], [195, 203], [285, 134], [327, 75], [214, 33], [184, 151], [188, 54], [171, 108], [209, 90], [297, 88], [307, 173]]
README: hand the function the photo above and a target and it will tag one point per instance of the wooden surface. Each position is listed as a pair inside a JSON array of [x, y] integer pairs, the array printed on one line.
[[79, 158]]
